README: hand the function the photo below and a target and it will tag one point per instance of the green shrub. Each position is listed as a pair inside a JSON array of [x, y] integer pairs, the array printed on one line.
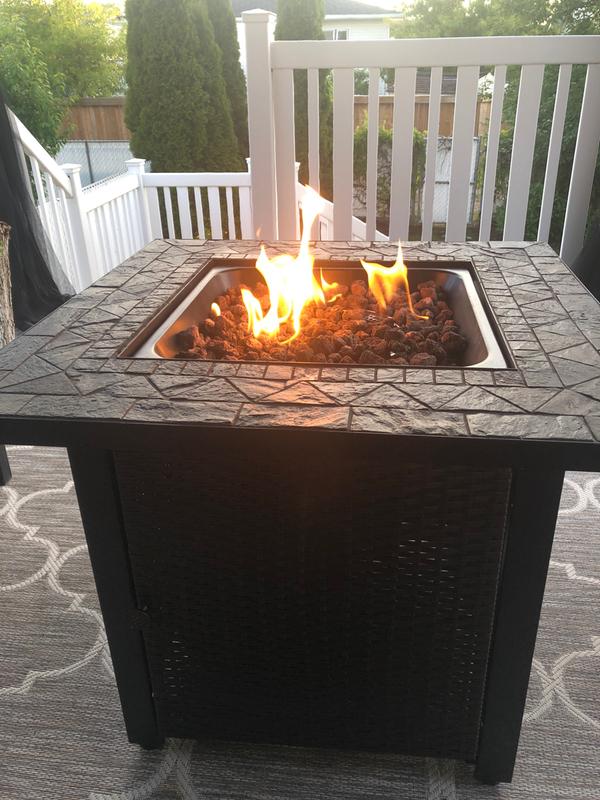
[[384, 172]]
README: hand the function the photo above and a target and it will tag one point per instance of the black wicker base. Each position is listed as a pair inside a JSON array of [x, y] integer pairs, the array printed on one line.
[[307, 599]]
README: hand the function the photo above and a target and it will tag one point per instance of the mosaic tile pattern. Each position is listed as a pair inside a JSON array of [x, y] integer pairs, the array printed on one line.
[[67, 365]]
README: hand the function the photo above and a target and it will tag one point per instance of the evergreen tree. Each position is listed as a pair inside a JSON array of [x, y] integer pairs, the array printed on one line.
[[177, 108], [222, 150], [303, 20], [223, 22]]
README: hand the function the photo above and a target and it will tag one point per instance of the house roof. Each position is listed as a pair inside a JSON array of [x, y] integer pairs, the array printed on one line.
[[332, 7]]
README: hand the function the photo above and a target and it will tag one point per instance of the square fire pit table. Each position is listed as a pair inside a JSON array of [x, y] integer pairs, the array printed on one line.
[[321, 555]]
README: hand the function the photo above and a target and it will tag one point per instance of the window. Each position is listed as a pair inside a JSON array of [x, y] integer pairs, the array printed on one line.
[[339, 34]]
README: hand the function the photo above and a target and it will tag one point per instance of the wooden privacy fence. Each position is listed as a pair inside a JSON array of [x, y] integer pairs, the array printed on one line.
[[103, 118], [270, 79], [421, 118], [97, 119]]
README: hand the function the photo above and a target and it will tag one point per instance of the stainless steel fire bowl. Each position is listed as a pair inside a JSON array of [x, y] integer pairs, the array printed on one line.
[[486, 347]]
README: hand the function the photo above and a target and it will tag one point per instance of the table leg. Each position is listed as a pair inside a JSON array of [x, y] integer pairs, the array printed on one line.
[[95, 483], [5, 473], [535, 498]]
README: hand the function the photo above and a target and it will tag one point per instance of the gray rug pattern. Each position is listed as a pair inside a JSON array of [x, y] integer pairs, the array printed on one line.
[[61, 730]]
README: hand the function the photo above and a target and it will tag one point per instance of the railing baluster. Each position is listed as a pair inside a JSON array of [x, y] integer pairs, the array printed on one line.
[[135, 221], [372, 151], [246, 213], [183, 205], [124, 227], [129, 229], [59, 242], [402, 151], [285, 153], [521, 161], [433, 127], [71, 254], [343, 149], [154, 208], [314, 137], [95, 243], [214, 210], [111, 238], [169, 211], [491, 156], [231, 233], [462, 149], [100, 240], [110, 235], [115, 231], [129, 224], [554, 147], [199, 212], [41, 195], [584, 163], [64, 224]]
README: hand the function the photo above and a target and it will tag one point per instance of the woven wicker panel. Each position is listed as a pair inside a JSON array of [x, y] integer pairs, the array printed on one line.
[[314, 597]]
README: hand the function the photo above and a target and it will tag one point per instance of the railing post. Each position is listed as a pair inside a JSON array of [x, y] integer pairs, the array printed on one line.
[[83, 251], [259, 35], [584, 164], [137, 166]]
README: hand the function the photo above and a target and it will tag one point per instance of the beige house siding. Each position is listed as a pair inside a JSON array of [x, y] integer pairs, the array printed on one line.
[[366, 30]]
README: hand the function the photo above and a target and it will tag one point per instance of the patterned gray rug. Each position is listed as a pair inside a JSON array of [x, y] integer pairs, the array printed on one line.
[[61, 732]]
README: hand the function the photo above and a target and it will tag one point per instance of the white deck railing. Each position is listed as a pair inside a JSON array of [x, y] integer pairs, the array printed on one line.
[[271, 66], [199, 199], [94, 229], [117, 228], [52, 192]]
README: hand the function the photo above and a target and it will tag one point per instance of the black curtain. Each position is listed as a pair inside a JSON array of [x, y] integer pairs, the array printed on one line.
[[38, 281], [587, 264]]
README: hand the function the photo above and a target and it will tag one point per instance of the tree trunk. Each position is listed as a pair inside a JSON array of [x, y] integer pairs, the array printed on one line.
[[7, 322]]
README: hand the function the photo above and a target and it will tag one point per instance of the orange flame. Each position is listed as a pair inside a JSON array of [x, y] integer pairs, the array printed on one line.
[[329, 288], [290, 280], [216, 309], [384, 282], [292, 285]]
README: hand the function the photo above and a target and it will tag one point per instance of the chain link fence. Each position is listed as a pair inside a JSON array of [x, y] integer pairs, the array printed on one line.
[[99, 159]]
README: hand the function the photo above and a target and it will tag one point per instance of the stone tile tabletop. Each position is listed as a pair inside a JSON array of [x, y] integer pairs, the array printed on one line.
[[67, 367]]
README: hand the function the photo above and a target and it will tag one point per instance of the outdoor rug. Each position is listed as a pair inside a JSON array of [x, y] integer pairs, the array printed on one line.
[[61, 730]]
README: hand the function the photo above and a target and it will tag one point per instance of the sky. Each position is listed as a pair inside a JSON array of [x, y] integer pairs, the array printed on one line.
[[391, 4]]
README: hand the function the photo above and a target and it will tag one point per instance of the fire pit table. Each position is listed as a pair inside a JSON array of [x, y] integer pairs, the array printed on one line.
[[320, 554]]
